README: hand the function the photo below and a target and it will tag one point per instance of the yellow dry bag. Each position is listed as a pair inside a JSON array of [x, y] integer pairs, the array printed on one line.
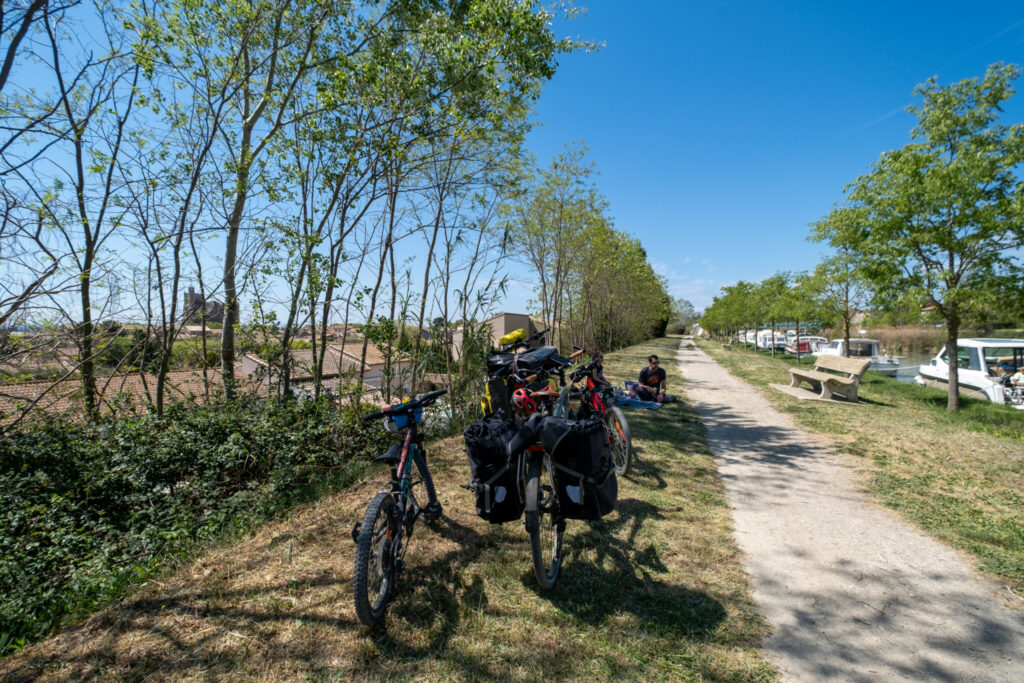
[[514, 336]]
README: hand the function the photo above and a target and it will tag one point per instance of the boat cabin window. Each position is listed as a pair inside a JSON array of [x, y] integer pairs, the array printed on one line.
[[861, 350], [967, 358], [1003, 360]]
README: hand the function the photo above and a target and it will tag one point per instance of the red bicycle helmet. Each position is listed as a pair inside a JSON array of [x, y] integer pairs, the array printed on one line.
[[522, 400]]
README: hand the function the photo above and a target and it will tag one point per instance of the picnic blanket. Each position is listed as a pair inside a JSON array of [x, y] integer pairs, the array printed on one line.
[[636, 403], [628, 398]]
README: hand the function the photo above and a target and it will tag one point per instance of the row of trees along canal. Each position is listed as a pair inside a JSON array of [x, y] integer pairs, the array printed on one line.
[[312, 162], [936, 225]]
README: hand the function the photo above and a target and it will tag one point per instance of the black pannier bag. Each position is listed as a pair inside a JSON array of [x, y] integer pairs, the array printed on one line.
[[498, 397], [499, 363], [495, 478], [584, 470], [533, 361]]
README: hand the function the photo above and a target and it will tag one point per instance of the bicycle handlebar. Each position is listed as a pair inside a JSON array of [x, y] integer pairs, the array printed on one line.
[[424, 400]]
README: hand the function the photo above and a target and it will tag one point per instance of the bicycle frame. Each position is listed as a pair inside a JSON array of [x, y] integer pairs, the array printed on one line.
[[401, 488], [596, 400], [392, 514]]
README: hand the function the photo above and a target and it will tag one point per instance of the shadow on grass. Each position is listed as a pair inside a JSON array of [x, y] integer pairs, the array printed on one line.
[[189, 630], [605, 574], [428, 597]]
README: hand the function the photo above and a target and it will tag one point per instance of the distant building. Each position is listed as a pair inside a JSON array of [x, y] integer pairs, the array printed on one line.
[[499, 325], [196, 309]]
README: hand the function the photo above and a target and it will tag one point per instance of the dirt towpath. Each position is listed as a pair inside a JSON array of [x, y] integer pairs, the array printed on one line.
[[854, 592]]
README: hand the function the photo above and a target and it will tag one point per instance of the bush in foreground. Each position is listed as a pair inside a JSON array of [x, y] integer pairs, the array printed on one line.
[[88, 510]]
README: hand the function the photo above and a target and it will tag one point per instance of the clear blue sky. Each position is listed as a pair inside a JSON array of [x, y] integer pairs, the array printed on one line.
[[721, 129]]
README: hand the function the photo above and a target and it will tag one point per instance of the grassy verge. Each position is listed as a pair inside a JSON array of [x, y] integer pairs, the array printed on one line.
[[959, 476], [656, 590]]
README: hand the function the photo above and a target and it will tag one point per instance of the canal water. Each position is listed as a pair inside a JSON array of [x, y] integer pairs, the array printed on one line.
[[909, 364]]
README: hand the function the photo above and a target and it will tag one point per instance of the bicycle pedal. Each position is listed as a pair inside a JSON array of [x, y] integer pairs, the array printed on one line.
[[432, 512], [355, 531]]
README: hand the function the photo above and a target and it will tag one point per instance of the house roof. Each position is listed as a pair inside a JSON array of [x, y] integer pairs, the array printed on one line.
[[353, 350], [303, 365]]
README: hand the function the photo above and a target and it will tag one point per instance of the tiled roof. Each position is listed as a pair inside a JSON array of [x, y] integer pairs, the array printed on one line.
[[303, 366], [353, 349]]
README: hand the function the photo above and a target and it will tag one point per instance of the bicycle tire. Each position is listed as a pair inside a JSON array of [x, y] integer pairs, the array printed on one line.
[[620, 440], [375, 562], [542, 523]]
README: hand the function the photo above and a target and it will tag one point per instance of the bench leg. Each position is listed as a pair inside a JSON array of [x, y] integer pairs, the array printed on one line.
[[826, 390]]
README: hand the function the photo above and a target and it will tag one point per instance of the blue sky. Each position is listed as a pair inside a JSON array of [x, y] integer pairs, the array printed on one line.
[[721, 129]]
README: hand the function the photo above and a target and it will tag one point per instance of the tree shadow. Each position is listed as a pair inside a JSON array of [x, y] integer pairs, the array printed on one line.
[[605, 573], [192, 629], [428, 597]]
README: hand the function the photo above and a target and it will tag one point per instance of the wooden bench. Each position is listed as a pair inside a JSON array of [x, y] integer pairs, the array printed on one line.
[[822, 380]]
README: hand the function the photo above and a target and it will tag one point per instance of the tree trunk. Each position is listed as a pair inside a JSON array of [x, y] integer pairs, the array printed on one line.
[[846, 336], [88, 367], [796, 341], [952, 335]]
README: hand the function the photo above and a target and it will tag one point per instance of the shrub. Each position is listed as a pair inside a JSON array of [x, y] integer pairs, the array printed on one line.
[[89, 510]]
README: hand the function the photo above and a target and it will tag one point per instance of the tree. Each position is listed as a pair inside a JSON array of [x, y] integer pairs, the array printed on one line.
[[549, 234], [941, 216], [684, 315], [843, 290], [774, 292]]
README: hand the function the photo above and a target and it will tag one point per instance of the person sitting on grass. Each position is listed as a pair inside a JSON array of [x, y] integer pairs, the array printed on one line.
[[651, 384], [597, 370]]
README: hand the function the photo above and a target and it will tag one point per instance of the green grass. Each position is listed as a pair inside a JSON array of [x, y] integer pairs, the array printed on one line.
[[654, 591], [960, 476]]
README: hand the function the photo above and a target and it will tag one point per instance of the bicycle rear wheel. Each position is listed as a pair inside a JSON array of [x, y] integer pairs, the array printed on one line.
[[621, 442], [375, 559], [543, 522]]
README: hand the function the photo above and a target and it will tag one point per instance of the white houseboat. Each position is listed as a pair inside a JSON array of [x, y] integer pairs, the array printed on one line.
[[767, 342], [982, 365], [808, 343], [865, 349]]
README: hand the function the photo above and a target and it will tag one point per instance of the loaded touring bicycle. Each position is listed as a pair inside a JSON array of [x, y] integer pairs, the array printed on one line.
[[530, 459]]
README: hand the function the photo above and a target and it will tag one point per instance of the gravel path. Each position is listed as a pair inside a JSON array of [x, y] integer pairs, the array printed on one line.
[[854, 592]]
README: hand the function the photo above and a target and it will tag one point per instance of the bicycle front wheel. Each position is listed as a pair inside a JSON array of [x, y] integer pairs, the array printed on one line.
[[621, 442], [375, 559], [543, 523]]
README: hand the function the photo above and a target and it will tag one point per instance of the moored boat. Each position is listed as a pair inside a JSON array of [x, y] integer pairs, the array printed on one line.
[[766, 341], [983, 369], [865, 349], [808, 343]]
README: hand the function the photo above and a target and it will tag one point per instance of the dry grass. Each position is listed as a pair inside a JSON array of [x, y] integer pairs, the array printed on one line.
[[654, 591], [958, 476]]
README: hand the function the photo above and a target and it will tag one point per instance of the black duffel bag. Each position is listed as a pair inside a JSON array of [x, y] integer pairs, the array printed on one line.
[[584, 470], [495, 477]]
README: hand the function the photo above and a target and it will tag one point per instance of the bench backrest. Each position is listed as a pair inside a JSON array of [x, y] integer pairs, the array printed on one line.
[[853, 366]]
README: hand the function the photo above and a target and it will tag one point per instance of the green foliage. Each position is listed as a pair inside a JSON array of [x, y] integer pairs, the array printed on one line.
[[594, 285], [940, 218], [89, 510]]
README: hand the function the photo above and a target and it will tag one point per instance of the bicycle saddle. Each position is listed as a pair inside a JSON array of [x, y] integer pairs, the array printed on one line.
[[392, 456], [546, 392]]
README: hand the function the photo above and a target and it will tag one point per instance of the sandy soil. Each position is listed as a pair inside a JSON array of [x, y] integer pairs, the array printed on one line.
[[854, 592]]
